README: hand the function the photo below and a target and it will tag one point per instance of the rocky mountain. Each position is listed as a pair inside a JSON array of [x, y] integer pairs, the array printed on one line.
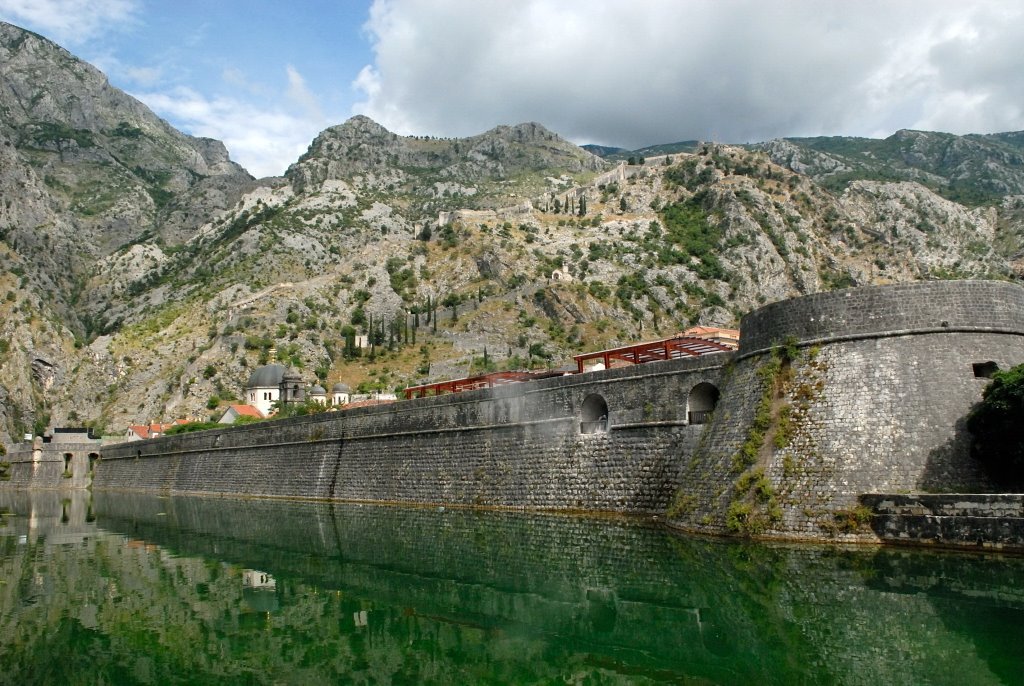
[[480, 171], [146, 275], [973, 169], [86, 170]]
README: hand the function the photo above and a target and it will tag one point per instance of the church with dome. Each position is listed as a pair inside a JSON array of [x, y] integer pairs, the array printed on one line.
[[275, 384]]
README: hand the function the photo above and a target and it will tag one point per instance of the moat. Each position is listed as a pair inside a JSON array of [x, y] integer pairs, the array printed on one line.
[[116, 588]]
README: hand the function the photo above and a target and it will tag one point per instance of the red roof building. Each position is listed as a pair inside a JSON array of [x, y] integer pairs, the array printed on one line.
[[729, 337], [138, 432], [235, 411]]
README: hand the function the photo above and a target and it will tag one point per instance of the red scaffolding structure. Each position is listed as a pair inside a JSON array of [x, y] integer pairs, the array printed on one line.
[[641, 353]]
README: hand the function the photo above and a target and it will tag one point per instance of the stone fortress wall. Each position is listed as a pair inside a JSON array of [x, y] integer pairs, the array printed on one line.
[[67, 461], [877, 396], [878, 383], [518, 445]]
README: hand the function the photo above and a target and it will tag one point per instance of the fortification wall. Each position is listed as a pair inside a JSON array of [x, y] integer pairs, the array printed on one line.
[[519, 445], [870, 397], [874, 400], [52, 465]]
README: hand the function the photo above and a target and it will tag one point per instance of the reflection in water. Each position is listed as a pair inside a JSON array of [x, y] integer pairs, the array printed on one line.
[[140, 589]]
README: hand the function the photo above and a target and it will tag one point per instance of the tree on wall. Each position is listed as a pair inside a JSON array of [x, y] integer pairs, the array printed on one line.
[[997, 424]]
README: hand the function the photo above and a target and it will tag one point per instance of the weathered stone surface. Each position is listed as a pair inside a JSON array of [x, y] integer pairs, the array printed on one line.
[[512, 446], [984, 520]]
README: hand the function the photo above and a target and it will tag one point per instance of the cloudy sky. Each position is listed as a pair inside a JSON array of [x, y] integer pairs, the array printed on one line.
[[265, 76]]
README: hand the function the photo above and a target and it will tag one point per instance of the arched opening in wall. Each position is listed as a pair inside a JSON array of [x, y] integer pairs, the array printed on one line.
[[985, 370], [701, 403], [594, 415], [93, 459], [67, 465]]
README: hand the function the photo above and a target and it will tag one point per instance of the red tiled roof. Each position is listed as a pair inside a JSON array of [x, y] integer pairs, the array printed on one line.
[[155, 429], [247, 411], [700, 331]]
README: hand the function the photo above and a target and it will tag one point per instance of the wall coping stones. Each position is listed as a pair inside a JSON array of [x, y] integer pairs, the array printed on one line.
[[882, 311], [947, 504], [951, 520]]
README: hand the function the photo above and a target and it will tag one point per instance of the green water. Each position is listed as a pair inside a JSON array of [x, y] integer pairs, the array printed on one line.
[[122, 589]]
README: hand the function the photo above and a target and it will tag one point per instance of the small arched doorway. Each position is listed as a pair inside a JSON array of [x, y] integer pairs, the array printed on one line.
[[594, 415], [701, 402]]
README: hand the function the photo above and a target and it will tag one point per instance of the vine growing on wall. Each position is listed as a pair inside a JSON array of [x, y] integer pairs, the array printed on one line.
[[754, 506]]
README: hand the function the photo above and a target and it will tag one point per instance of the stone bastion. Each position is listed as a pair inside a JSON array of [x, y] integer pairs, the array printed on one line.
[[867, 392]]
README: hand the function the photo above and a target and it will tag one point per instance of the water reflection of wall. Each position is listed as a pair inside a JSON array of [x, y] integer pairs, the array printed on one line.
[[156, 588], [724, 611]]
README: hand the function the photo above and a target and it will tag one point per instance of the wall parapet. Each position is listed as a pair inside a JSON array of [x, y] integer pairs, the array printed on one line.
[[883, 311]]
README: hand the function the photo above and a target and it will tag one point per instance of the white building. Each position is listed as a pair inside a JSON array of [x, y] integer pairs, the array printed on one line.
[[340, 394], [264, 387]]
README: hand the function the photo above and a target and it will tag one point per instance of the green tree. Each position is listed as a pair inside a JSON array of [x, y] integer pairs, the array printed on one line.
[[453, 300], [997, 425]]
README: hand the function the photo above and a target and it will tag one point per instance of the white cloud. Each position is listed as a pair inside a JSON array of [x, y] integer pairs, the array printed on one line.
[[299, 94], [264, 141], [70, 22], [633, 74], [127, 74], [233, 76]]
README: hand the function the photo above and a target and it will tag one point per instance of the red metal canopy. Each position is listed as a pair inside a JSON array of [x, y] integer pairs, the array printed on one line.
[[472, 383], [640, 353]]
